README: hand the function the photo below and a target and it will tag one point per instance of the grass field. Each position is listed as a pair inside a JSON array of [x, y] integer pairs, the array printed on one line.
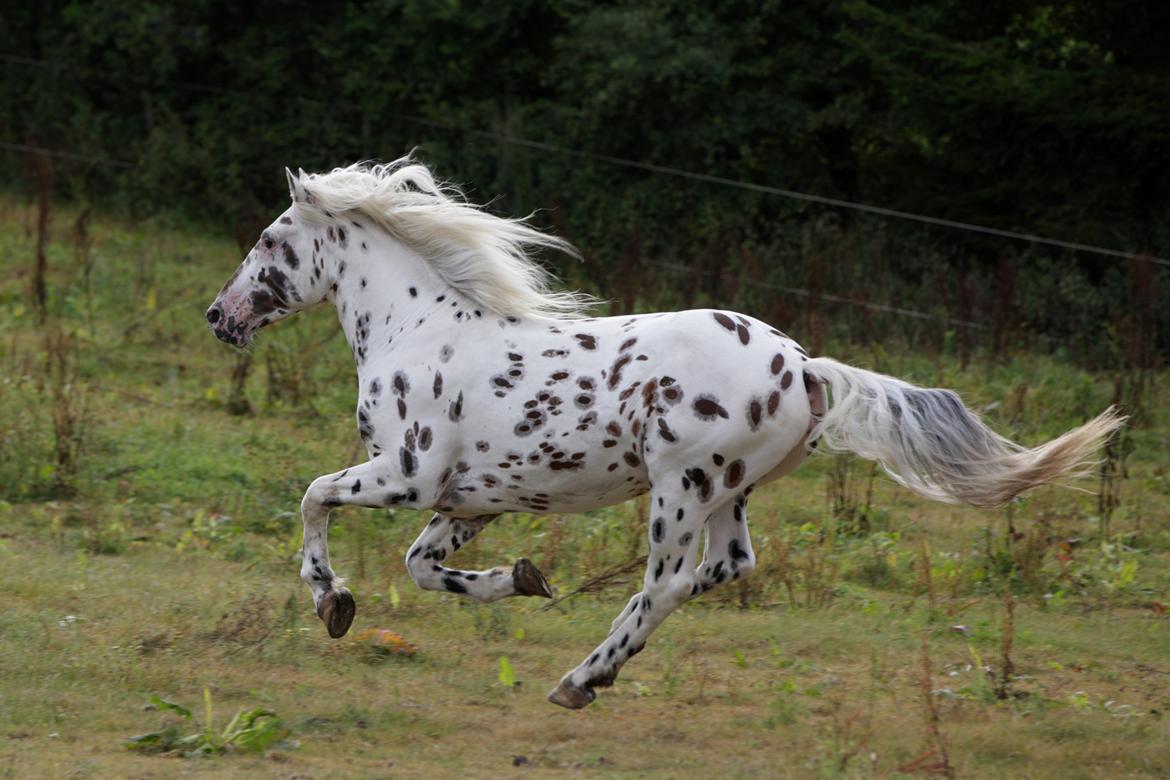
[[149, 545]]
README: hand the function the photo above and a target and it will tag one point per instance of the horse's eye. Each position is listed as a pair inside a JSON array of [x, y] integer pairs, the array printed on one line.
[[269, 243]]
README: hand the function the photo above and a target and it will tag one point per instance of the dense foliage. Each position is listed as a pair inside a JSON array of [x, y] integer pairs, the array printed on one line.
[[1045, 117]]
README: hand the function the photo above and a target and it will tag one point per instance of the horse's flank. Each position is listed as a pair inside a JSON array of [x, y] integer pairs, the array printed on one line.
[[487, 258]]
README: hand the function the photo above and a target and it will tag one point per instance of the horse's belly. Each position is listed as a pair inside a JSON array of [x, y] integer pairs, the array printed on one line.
[[539, 489]]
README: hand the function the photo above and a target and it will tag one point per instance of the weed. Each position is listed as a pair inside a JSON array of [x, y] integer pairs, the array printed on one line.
[[851, 506], [491, 620], [807, 562], [254, 730], [879, 567], [925, 578], [507, 675], [207, 531], [936, 758], [783, 707], [107, 539], [1007, 668]]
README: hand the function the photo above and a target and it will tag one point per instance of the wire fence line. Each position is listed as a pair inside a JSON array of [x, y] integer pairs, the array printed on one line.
[[885, 308], [666, 170], [64, 155]]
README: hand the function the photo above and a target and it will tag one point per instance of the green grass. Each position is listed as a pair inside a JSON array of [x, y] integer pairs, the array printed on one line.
[[166, 564]]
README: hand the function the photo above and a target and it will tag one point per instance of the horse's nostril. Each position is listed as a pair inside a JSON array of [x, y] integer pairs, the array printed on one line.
[[213, 315]]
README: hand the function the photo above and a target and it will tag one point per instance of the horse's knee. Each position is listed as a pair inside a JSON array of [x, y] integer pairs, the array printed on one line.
[[418, 562], [317, 497], [423, 567]]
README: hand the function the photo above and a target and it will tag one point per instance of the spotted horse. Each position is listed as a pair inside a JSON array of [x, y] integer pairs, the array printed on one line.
[[483, 390]]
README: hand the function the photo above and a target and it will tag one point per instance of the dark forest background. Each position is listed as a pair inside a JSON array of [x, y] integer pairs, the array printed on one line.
[[1049, 118]]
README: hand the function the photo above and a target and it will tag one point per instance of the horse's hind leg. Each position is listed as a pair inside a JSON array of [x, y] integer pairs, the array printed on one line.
[[631, 605], [728, 554], [443, 536], [669, 581]]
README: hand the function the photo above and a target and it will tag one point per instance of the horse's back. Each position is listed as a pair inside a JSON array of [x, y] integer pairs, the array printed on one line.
[[712, 379]]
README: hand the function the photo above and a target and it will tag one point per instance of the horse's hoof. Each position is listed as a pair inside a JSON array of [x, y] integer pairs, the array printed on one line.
[[336, 610], [570, 696], [529, 581]]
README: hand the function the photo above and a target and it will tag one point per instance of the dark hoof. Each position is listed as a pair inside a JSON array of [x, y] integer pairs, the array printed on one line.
[[337, 609], [528, 580], [570, 696]]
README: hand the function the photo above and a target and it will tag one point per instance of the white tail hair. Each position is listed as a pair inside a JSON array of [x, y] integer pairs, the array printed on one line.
[[930, 442]]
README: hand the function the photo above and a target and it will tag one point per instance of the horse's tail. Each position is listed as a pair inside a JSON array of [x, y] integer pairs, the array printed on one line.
[[931, 443]]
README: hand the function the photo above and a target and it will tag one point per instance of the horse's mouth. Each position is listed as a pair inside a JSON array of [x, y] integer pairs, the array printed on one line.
[[231, 332]]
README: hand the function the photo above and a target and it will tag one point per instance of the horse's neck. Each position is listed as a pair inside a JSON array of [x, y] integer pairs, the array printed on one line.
[[385, 294]]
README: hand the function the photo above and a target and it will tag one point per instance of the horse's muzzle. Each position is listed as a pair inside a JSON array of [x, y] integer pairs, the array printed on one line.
[[227, 329]]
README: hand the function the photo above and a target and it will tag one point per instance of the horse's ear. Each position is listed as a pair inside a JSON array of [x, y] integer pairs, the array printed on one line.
[[294, 187]]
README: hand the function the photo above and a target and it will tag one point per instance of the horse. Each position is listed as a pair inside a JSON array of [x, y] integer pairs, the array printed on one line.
[[484, 390]]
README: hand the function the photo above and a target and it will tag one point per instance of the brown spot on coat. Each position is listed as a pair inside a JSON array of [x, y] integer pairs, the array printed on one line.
[[755, 413], [724, 320], [734, 474], [708, 408], [409, 462], [650, 394], [615, 371], [586, 341]]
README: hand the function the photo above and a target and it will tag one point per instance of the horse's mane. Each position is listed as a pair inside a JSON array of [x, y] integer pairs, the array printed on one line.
[[487, 258]]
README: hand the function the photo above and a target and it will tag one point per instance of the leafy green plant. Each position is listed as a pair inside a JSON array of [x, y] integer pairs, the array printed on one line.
[[507, 673], [783, 708], [207, 531], [253, 730], [107, 539]]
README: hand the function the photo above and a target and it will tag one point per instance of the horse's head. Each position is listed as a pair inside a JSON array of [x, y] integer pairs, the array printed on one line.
[[277, 278]]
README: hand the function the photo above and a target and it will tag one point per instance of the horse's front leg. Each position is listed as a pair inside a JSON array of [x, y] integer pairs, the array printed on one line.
[[444, 536], [371, 484]]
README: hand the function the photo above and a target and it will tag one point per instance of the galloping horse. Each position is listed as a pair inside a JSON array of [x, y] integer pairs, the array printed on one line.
[[483, 391]]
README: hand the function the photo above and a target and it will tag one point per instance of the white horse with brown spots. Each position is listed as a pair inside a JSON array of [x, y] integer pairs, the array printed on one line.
[[482, 392]]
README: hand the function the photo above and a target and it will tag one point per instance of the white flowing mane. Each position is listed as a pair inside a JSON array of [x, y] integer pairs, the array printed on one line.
[[487, 258]]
